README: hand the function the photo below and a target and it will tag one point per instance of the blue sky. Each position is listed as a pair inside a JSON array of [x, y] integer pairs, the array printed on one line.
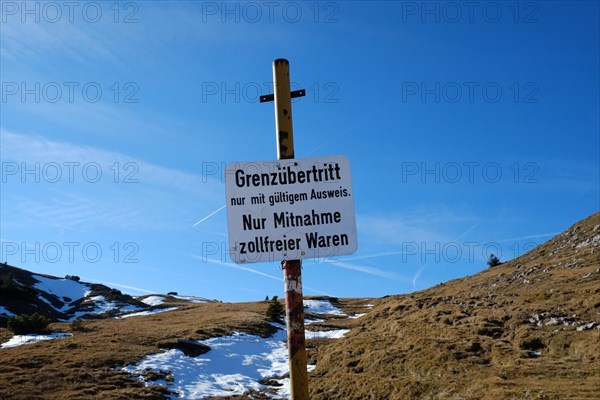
[[470, 130]]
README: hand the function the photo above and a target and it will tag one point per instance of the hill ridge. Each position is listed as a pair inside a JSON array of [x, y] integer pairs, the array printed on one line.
[[528, 328], [60, 299]]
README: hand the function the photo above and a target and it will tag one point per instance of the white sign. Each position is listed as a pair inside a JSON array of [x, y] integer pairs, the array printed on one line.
[[290, 209]]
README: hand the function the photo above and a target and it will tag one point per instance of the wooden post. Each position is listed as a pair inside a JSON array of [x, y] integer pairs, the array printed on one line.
[[292, 269]]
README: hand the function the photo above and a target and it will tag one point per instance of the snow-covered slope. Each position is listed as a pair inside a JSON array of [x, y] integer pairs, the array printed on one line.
[[60, 294], [66, 299]]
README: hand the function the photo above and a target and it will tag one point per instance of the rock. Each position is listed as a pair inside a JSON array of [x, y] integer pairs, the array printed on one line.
[[189, 347]]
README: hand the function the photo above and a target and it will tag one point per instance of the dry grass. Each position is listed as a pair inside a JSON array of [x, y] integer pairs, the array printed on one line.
[[470, 338], [83, 366]]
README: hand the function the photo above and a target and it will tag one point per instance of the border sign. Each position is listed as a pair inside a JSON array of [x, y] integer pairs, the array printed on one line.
[[290, 209]]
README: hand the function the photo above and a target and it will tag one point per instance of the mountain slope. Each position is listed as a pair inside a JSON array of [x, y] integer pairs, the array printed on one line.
[[25, 292], [526, 329], [87, 365]]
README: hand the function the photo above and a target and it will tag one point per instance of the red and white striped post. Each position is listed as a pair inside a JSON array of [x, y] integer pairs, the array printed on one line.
[[292, 269]]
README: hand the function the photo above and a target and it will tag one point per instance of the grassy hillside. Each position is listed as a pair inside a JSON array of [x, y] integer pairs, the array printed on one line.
[[82, 366], [526, 329]]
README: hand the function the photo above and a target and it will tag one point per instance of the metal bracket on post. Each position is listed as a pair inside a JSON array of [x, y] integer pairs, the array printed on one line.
[[271, 97], [292, 269]]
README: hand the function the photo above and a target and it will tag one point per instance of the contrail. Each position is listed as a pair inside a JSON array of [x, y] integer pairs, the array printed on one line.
[[465, 233], [536, 236], [254, 271], [235, 266], [417, 275], [371, 271], [103, 282], [384, 254], [209, 215]]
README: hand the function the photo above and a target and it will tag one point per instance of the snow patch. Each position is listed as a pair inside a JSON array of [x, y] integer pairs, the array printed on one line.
[[234, 365], [62, 288], [19, 340], [101, 305], [589, 325], [356, 316], [5, 312], [130, 307], [45, 300], [149, 312], [154, 300], [336, 334], [321, 307], [192, 299]]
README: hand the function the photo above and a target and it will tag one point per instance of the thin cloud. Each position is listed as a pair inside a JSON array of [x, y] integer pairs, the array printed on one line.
[[27, 148], [81, 43], [141, 191]]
